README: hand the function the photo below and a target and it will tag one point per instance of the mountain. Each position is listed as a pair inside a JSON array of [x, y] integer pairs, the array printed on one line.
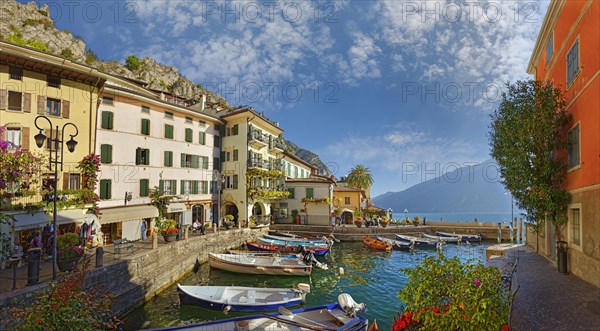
[[309, 157], [465, 190]]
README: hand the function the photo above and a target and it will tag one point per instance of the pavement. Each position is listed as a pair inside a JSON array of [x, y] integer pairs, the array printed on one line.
[[549, 300]]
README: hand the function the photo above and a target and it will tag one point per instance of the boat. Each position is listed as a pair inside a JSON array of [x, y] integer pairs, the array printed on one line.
[[340, 316], [237, 298], [298, 241], [377, 244], [396, 244], [259, 265], [292, 243], [262, 246], [440, 238], [262, 253], [417, 242], [460, 237]]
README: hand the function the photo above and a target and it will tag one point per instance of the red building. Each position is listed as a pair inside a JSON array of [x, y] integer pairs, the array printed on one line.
[[567, 53]]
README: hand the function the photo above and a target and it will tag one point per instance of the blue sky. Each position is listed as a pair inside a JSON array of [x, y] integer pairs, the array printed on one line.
[[403, 87]]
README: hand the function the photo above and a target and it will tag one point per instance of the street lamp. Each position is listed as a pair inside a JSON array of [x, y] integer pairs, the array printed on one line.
[[405, 214], [219, 180], [54, 145]]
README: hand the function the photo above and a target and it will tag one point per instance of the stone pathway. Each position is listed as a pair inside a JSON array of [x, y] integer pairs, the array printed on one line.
[[548, 300]]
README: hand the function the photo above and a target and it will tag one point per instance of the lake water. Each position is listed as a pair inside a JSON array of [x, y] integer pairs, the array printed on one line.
[[460, 217], [370, 277]]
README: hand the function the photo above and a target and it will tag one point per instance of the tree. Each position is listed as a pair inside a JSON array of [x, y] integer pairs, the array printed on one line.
[[360, 177], [132, 62], [528, 140]]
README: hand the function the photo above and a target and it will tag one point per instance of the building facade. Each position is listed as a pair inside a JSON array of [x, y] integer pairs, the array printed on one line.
[[146, 143], [347, 201], [310, 199], [566, 53]]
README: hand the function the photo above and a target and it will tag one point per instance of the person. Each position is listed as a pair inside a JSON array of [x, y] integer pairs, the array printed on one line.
[[424, 220], [143, 230], [36, 242]]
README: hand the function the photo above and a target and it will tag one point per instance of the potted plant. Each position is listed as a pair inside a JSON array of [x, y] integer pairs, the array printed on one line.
[[358, 223], [416, 221], [168, 229], [228, 221], [69, 252], [295, 216], [384, 221]]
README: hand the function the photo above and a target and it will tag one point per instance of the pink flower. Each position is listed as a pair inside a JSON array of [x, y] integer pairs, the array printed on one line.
[[477, 282]]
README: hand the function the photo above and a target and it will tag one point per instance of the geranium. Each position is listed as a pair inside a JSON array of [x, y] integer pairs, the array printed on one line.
[[70, 253], [169, 231]]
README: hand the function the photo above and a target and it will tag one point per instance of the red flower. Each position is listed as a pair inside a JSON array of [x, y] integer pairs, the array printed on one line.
[[436, 310], [505, 328], [407, 315], [402, 324]]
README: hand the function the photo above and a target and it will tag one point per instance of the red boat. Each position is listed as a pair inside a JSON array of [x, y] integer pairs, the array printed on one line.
[[258, 246]]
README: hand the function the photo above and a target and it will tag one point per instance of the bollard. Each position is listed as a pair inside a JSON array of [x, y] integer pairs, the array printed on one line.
[[14, 262], [33, 266], [499, 232], [154, 240], [185, 233], [99, 257]]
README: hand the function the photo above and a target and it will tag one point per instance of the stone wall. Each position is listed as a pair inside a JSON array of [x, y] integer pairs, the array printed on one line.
[[137, 278]]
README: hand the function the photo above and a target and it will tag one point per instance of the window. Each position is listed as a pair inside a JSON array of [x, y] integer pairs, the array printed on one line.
[[145, 126], [292, 191], [15, 73], [346, 200], [550, 48], [107, 120], [142, 156], [202, 138], [309, 192], [168, 156], [52, 107], [13, 137], [144, 187], [301, 173], [201, 123], [235, 154], [186, 187], [295, 171], [216, 163], [168, 131], [573, 159], [53, 81], [573, 62], [204, 187], [167, 187], [235, 181], [189, 120], [190, 161], [234, 130], [15, 100], [106, 153], [107, 101], [226, 156], [168, 115], [188, 135], [105, 189], [217, 141], [145, 110], [575, 230], [289, 169], [73, 181], [205, 162]]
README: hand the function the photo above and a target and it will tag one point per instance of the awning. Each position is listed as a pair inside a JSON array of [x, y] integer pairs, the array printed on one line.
[[176, 207], [127, 213], [70, 216], [30, 221]]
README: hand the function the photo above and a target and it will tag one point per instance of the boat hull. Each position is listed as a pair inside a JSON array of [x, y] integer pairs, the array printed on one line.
[[243, 264], [418, 242], [460, 237], [277, 245], [440, 238], [293, 243], [396, 244], [376, 244], [187, 297]]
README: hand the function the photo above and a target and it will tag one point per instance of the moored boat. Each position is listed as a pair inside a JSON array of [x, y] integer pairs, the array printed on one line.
[[297, 241], [259, 265], [396, 244], [377, 244], [460, 236], [262, 246], [261, 253], [335, 316], [440, 238], [292, 243], [417, 242], [237, 298]]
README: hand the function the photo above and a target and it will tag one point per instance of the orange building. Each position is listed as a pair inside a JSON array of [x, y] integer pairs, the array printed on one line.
[[567, 53]]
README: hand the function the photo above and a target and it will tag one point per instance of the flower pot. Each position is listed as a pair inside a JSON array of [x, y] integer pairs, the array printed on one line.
[[68, 265], [170, 237], [358, 224], [383, 224]]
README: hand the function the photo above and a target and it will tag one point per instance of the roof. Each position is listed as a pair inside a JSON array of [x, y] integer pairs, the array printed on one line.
[[228, 113], [316, 179], [346, 189], [296, 158]]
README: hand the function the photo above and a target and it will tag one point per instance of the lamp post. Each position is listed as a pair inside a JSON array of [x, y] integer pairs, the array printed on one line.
[[219, 180], [405, 214], [54, 145]]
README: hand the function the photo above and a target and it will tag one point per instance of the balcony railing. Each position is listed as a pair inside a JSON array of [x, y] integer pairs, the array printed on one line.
[[257, 139], [258, 164], [65, 199], [276, 146]]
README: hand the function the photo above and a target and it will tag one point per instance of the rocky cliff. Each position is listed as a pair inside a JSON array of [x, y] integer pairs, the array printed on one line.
[[309, 157]]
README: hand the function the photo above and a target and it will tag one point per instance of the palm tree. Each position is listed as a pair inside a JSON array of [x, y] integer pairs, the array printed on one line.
[[360, 177]]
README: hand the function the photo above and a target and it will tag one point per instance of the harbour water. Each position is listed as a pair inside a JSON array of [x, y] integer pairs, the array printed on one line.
[[370, 277], [460, 217]]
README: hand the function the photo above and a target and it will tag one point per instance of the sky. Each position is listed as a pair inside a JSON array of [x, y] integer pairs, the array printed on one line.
[[405, 88]]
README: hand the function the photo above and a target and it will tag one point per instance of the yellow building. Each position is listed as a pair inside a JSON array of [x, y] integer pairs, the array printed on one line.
[[347, 200], [32, 84]]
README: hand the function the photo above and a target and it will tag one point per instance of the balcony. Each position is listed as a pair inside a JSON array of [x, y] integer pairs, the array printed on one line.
[[257, 139], [276, 146], [256, 163], [268, 193]]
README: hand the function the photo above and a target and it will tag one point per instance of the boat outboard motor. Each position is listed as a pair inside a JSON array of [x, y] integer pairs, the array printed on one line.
[[349, 305]]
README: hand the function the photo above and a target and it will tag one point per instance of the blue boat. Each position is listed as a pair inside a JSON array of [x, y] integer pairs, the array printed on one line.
[[417, 242], [292, 243], [461, 236], [237, 298], [396, 244], [295, 241], [341, 316]]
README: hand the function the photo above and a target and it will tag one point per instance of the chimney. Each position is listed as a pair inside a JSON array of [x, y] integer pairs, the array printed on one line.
[[162, 96], [202, 102]]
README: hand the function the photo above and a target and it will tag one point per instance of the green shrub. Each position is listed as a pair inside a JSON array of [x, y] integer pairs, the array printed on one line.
[[90, 57], [35, 44], [68, 240], [67, 53], [132, 62], [30, 21], [445, 294], [43, 12]]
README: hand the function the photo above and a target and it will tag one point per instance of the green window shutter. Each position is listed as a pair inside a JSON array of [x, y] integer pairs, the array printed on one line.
[[202, 138], [107, 120], [105, 188], [110, 120], [204, 187], [161, 187], [108, 153], [235, 182], [183, 160], [309, 192], [145, 126], [147, 157], [188, 135], [144, 184], [168, 131], [174, 186], [205, 162], [235, 154], [138, 155], [166, 157], [194, 187], [235, 129], [195, 161], [291, 190], [181, 187]]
